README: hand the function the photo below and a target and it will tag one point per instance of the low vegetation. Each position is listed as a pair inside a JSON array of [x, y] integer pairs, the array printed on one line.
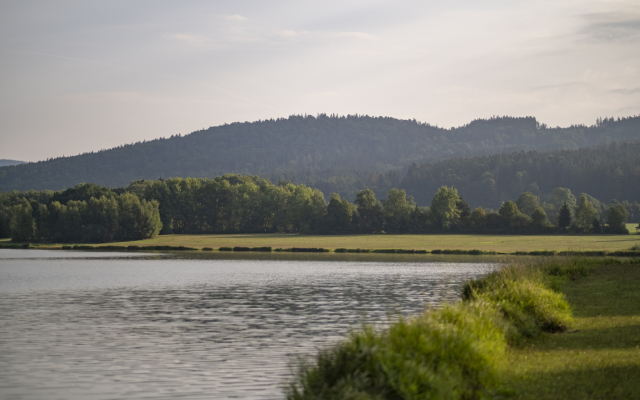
[[474, 348]]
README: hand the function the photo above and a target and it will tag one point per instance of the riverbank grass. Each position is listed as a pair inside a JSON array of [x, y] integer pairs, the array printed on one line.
[[599, 357], [512, 336]]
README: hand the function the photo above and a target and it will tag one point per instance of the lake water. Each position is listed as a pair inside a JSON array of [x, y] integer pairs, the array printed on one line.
[[89, 325]]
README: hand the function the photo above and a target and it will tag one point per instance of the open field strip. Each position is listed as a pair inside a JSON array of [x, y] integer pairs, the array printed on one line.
[[496, 243], [499, 243], [599, 358]]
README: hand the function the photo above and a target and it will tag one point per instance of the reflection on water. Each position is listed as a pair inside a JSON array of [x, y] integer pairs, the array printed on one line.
[[165, 327]]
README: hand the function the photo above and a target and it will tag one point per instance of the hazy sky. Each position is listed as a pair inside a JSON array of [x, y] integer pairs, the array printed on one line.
[[78, 76]]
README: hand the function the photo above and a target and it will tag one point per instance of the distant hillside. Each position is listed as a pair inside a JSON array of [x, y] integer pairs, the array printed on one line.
[[4, 163], [605, 172], [308, 149]]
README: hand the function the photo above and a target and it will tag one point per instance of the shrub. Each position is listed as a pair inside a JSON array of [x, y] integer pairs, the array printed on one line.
[[82, 247], [309, 250], [449, 353], [524, 297], [207, 249], [264, 249], [225, 249]]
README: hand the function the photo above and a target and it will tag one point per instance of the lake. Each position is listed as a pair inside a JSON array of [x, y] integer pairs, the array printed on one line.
[[107, 325]]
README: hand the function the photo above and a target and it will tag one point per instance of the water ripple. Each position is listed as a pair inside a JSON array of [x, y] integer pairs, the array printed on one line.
[[170, 328]]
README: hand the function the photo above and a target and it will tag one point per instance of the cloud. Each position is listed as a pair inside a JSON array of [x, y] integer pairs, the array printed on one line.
[[555, 86], [117, 97], [235, 17], [290, 34], [297, 35], [357, 35], [616, 26], [191, 39], [626, 90]]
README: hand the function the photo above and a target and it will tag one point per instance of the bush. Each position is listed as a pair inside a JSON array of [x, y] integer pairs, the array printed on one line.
[[207, 249], [83, 247], [225, 249], [449, 353], [308, 250]]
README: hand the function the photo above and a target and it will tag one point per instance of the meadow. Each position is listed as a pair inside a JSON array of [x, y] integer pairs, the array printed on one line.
[[502, 244], [498, 243]]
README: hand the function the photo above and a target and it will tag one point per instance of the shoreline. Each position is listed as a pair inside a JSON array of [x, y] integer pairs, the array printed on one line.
[[4, 244]]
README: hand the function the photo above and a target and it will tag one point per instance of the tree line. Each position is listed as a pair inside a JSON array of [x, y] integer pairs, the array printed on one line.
[[250, 204]]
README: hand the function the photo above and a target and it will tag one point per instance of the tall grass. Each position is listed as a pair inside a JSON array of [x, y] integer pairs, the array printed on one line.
[[446, 353]]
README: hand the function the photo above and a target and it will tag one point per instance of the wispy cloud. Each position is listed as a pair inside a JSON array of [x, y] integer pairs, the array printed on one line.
[[235, 17], [298, 35], [289, 34], [626, 90], [619, 26], [191, 39], [117, 97], [356, 35]]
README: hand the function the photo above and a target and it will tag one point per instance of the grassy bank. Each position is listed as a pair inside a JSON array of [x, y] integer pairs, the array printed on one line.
[[513, 336], [599, 358]]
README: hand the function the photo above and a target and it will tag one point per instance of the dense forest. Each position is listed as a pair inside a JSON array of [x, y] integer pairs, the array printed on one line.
[[244, 204], [605, 172], [340, 154]]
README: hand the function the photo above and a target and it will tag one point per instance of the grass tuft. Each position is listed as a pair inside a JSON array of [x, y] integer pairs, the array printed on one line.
[[448, 353]]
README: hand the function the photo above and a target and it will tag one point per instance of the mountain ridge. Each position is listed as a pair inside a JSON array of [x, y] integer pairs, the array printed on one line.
[[308, 144]]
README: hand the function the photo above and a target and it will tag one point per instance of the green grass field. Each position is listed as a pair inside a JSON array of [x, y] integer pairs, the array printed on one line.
[[599, 358], [499, 243]]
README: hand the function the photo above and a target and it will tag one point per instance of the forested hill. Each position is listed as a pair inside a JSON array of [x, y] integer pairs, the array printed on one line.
[[307, 146], [605, 172]]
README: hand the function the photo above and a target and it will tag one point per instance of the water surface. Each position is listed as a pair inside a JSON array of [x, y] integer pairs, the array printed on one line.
[[90, 325]]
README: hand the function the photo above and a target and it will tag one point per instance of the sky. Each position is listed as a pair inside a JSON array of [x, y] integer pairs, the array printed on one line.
[[81, 76]]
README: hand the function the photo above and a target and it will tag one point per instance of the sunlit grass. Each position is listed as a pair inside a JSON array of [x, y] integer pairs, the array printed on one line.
[[500, 243], [599, 358]]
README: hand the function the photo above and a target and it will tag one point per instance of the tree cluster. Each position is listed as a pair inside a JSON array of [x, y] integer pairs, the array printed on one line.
[[80, 217]]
